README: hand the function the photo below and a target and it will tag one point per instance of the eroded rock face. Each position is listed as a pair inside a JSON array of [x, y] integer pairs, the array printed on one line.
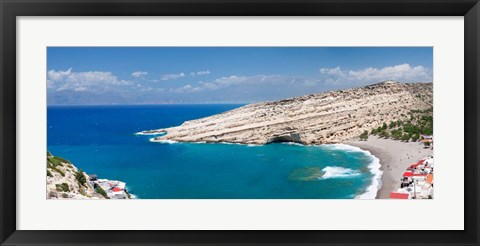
[[328, 117]]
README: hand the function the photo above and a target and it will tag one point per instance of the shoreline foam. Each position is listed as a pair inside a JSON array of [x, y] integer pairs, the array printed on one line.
[[395, 157], [374, 166]]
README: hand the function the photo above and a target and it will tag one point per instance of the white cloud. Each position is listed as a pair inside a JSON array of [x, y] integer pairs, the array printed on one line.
[[330, 78], [172, 76], [139, 74], [106, 87], [234, 80], [186, 88], [337, 71], [402, 73], [82, 81], [310, 82], [265, 79], [58, 75], [80, 89], [230, 80], [199, 73]]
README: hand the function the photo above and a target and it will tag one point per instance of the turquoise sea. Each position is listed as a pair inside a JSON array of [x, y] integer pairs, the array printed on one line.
[[102, 140]]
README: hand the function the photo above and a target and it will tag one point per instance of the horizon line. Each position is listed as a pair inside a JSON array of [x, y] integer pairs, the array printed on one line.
[[148, 104]]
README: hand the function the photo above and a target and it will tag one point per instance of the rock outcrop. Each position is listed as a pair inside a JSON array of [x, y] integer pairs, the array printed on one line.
[[65, 181], [329, 117]]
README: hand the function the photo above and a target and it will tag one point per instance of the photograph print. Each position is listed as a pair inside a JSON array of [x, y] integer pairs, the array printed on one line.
[[239, 123]]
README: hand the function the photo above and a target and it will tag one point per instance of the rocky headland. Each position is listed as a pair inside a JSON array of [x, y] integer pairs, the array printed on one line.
[[322, 118], [66, 181]]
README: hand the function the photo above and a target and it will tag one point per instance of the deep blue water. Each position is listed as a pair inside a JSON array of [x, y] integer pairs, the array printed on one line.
[[102, 140]]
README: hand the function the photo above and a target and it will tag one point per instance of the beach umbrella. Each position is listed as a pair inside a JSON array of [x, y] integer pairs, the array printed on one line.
[[429, 178]]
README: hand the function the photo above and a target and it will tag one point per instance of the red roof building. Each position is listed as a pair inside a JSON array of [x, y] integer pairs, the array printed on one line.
[[397, 195], [407, 174], [116, 189]]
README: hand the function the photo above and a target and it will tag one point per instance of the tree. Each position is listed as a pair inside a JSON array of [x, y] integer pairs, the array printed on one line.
[[102, 192], [393, 124], [384, 134], [396, 134], [384, 126], [364, 135], [81, 179]]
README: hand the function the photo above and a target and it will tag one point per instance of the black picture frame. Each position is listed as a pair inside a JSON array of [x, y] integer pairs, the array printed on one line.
[[10, 9]]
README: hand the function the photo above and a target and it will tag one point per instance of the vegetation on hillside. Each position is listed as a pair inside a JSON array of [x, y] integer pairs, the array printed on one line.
[[64, 180], [364, 135], [102, 192], [418, 122], [53, 165], [80, 177], [56, 164], [62, 187]]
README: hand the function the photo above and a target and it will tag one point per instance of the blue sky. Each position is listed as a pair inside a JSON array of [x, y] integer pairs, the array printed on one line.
[[160, 75]]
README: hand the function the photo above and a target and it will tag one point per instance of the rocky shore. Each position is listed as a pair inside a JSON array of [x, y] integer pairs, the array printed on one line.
[[329, 117], [66, 181]]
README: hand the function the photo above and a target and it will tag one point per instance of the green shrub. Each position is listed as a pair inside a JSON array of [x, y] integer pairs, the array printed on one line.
[[81, 179], [65, 187], [393, 124], [61, 159], [49, 174], [62, 187], [54, 161], [384, 134], [58, 187], [58, 171], [102, 192], [64, 195], [384, 126], [364, 135]]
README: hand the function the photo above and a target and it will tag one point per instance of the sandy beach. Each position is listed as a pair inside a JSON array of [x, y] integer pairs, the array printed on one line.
[[395, 157]]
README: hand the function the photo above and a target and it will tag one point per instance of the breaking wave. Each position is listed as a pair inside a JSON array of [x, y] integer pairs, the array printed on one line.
[[162, 141], [146, 133], [338, 172], [374, 167]]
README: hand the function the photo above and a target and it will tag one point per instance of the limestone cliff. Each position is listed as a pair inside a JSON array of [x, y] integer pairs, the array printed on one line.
[[328, 117], [66, 181]]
